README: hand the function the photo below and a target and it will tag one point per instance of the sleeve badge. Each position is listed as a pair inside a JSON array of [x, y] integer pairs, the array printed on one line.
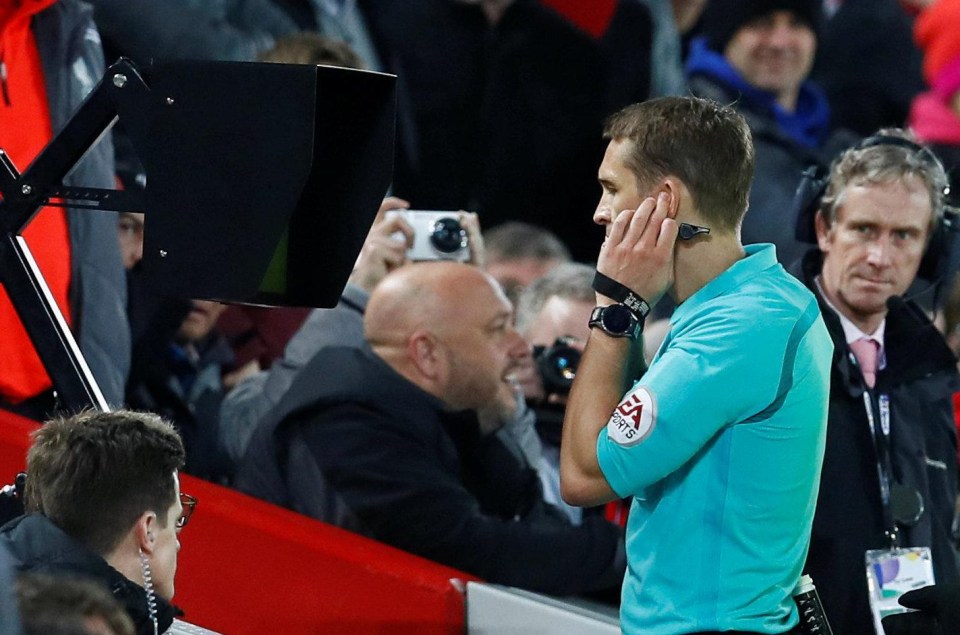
[[633, 419]]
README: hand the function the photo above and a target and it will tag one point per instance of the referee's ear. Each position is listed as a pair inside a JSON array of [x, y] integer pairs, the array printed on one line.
[[676, 193]]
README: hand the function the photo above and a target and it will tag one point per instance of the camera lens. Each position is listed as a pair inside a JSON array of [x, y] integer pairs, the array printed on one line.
[[558, 366], [448, 236]]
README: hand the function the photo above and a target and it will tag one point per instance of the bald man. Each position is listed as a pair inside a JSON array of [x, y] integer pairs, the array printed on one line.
[[385, 441], [448, 330]]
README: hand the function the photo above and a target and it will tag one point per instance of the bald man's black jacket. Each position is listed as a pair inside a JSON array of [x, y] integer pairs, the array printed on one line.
[[355, 444]]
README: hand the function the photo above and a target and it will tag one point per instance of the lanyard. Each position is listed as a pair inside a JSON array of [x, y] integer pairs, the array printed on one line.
[[881, 443]]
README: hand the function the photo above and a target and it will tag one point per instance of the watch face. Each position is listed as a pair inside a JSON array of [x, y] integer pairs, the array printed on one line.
[[616, 318]]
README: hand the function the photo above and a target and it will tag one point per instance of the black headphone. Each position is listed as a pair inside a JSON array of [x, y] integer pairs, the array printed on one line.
[[813, 184]]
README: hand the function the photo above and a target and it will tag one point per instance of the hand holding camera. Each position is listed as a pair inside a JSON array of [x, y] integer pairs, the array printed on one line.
[[385, 248], [441, 235]]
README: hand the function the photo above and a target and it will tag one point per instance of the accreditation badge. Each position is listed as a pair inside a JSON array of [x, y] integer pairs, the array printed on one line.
[[893, 572]]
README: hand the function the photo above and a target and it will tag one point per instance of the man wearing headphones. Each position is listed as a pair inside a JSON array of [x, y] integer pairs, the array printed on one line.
[[889, 480]]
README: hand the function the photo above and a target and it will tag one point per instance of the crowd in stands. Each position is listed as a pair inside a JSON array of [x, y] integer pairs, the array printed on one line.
[[425, 409]]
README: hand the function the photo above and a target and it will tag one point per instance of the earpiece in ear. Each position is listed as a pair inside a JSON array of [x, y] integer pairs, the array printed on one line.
[[689, 232]]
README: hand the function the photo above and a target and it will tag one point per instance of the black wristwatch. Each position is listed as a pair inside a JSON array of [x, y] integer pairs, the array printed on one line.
[[616, 320]]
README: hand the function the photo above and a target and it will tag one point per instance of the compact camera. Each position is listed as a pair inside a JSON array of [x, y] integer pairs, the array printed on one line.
[[436, 235]]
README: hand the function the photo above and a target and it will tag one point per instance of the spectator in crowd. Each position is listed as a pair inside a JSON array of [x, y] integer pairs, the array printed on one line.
[[891, 469], [340, 20], [66, 605], [720, 441], [131, 177], [312, 48], [147, 312], [390, 443], [552, 316], [181, 366], [867, 63], [384, 250], [514, 133], [640, 52], [232, 30], [935, 120], [518, 253], [935, 114], [130, 233], [104, 503], [182, 379], [154, 323], [757, 55], [258, 335], [666, 76], [687, 13], [51, 60]]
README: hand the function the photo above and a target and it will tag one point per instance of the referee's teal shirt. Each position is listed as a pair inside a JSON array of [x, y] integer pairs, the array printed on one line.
[[721, 443]]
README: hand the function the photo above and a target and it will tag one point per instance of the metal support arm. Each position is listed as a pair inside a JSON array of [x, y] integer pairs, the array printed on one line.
[[23, 196]]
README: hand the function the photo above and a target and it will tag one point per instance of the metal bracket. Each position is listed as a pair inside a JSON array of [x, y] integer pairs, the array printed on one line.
[[23, 196]]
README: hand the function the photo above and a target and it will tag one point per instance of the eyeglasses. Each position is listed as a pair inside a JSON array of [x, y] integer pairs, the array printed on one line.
[[189, 503]]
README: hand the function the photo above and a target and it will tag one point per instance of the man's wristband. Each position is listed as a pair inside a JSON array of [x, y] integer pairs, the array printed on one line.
[[622, 294]]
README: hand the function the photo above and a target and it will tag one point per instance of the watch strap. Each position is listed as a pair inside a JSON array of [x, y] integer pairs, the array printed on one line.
[[622, 294]]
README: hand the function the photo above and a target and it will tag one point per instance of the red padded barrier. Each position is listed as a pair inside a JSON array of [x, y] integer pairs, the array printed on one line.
[[249, 567]]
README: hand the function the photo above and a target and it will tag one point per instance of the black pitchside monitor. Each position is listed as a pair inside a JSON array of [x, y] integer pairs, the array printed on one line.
[[262, 179]]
